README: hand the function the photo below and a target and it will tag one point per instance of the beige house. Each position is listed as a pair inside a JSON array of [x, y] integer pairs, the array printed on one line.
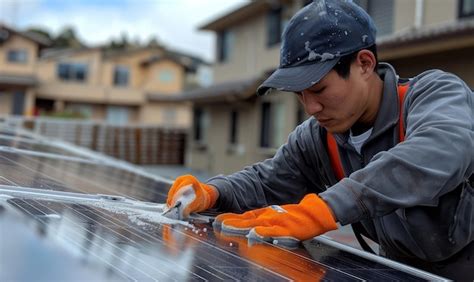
[[233, 128], [19, 52], [114, 86]]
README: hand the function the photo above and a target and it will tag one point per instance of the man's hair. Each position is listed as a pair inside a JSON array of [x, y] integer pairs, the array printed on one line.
[[343, 67]]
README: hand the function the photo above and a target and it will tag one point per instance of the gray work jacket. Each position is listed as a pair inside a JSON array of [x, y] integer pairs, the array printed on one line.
[[413, 197]]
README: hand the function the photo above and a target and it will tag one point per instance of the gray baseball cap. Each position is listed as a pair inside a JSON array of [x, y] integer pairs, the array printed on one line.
[[315, 39]]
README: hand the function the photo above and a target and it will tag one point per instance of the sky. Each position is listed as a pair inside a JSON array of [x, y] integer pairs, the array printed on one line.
[[174, 23]]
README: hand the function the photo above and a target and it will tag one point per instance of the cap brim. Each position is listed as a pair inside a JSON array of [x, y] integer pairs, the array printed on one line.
[[295, 79]]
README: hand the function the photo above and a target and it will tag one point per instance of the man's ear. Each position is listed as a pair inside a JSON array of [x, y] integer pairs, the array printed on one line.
[[366, 62]]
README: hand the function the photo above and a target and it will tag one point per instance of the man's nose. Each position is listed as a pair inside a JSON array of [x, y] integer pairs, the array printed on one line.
[[311, 103]]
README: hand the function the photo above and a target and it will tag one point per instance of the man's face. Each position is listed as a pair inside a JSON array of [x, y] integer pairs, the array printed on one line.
[[337, 103]]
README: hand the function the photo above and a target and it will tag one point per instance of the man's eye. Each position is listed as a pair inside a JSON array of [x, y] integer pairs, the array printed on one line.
[[319, 91], [298, 93]]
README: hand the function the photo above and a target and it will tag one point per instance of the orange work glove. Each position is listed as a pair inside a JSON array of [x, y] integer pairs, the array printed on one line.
[[285, 225], [192, 196]]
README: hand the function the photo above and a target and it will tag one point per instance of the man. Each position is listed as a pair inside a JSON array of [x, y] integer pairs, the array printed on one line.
[[406, 149]]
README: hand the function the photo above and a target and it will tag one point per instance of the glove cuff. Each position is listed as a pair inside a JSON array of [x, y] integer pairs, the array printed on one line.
[[211, 194], [324, 214]]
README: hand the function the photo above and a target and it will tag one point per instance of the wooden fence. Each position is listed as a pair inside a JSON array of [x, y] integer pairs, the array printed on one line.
[[143, 145]]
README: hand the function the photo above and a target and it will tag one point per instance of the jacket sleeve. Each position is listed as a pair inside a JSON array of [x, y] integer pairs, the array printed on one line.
[[436, 156], [279, 180]]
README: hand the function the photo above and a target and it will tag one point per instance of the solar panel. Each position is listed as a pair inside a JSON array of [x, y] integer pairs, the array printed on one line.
[[76, 217]]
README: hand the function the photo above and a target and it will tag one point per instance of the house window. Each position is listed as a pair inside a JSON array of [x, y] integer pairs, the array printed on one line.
[[234, 122], [200, 125], [382, 12], [117, 115], [72, 71], [169, 116], [225, 43], [17, 56], [274, 27], [300, 114], [272, 125], [166, 76], [466, 8], [121, 75]]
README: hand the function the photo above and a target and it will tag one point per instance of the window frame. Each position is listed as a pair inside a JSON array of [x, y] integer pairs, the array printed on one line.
[[166, 76], [72, 71], [265, 125], [225, 42], [119, 79], [201, 122], [274, 22], [13, 56], [461, 14], [234, 128], [169, 115]]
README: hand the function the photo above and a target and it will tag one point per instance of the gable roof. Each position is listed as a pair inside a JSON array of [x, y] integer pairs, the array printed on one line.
[[237, 15], [190, 63], [5, 32], [427, 39]]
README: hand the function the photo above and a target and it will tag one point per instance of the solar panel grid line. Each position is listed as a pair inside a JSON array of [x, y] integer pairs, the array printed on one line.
[[40, 173], [115, 247], [310, 259], [44, 155], [108, 160], [21, 139], [139, 182], [212, 274], [386, 262], [71, 176], [139, 234], [237, 257], [106, 242], [104, 217], [227, 276], [12, 174], [196, 238], [8, 181], [80, 246], [34, 146]]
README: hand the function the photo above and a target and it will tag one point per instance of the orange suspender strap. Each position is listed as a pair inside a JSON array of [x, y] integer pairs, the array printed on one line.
[[402, 90], [334, 157], [332, 144]]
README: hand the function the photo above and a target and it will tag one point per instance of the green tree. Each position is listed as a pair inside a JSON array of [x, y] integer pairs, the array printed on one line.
[[67, 38]]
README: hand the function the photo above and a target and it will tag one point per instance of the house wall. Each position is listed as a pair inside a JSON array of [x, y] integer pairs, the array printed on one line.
[[18, 42], [437, 11], [132, 60], [6, 102], [250, 55], [434, 11], [219, 156], [156, 113], [99, 88], [154, 75]]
